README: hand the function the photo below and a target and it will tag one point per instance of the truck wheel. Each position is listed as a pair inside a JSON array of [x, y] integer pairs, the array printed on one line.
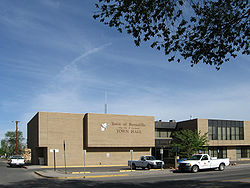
[[149, 166], [222, 167], [195, 169], [133, 166]]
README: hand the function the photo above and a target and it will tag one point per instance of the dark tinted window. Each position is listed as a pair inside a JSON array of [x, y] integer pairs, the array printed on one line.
[[225, 130]]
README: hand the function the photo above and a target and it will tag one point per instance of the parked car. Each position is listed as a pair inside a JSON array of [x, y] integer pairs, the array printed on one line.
[[16, 160], [146, 162], [180, 160], [203, 161]]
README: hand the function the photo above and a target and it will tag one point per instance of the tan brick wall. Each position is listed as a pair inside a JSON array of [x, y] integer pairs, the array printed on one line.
[[32, 132], [202, 126], [54, 128], [121, 131], [32, 137], [247, 132], [114, 156], [109, 148], [231, 153]]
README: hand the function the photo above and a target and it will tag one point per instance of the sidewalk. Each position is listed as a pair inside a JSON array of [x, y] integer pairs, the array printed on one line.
[[60, 173], [101, 172]]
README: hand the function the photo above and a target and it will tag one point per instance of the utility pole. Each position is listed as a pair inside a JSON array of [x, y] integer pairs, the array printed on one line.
[[17, 136]]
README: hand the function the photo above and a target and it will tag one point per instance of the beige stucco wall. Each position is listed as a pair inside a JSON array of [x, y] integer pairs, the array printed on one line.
[[114, 156], [247, 132], [121, 131], [32, 137], [231, 153], [32, 132], [202, 125], [109, 147], [54, 128]]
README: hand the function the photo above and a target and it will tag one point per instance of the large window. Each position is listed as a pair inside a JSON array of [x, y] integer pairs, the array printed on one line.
[[243, 152], [225, 130], [162, 133], [219, 152]]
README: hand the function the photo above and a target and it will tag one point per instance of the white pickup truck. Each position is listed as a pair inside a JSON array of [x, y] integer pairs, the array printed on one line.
[[203, 161], [16, 160], [146, 162]]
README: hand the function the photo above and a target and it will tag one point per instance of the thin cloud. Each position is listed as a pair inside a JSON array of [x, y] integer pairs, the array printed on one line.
[[51, 3], [84, 55], [63, 93]]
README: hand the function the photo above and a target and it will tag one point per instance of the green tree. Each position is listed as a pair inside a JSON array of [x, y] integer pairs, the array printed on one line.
[[189, 142], [2, 152], [8, 144], [208, 31]]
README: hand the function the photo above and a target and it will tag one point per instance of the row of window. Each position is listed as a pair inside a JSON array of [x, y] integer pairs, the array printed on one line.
[[219, 152], [243, 152], [161, 133], [225, 130]]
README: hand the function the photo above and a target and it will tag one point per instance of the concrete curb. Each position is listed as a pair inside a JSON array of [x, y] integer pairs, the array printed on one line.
[[80, 177], [52, 177], [39, 174]]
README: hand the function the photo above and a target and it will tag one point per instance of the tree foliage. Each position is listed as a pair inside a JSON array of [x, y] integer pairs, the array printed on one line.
[[8, 144], [208, 31], [188, 142]]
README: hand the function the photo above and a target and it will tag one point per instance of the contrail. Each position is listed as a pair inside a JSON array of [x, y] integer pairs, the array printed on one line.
[[90, 52], [94, 50]]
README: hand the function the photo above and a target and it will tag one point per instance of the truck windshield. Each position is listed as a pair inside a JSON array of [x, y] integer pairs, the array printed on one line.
[[196, 157], [150, 158], [16, 157]]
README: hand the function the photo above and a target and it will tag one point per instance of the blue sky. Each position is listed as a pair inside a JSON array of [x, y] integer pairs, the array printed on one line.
[[55, 57]]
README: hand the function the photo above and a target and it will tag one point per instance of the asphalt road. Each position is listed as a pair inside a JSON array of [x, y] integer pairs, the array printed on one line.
[[11, 176], [235, 176]]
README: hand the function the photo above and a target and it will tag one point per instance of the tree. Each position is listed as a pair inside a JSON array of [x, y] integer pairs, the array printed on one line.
[[188, 142], [8, 144], [2, 152], [208, 31]]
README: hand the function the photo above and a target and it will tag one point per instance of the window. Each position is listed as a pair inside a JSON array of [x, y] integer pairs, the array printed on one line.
[[210, 133], [238, 153], [219, 133], [224, 135], [215, 132], [245, 152], [162, 133], [241, 133], [225, 130], [228, 133], [232, 133], [219, 152], [237, 133], [204, 157], [157, 133]]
